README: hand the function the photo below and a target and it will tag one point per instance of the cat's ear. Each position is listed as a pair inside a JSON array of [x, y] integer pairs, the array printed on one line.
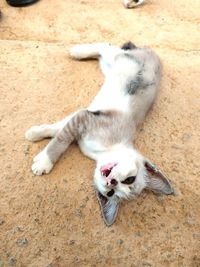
[[109, 208], [156, 180]]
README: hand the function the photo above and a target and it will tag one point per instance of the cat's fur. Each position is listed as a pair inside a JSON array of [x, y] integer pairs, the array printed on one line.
[[106, 129], [132, 3]]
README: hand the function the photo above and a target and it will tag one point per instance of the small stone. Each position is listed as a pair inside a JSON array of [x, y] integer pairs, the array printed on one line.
[[12, 261], [22, 242], [196, 235], [120, 241], [177, 193], [177, 146], [25, 149], [78, 213], [146, 263], [189, 221], [83, 205], [76, 259], [2, 221], [175, 227], [160, 199], [71, 242], [18, 229], [138, 234]]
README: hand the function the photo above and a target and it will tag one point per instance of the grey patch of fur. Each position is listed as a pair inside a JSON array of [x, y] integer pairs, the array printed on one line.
[[138, 83], [134, 84], [131, 56]]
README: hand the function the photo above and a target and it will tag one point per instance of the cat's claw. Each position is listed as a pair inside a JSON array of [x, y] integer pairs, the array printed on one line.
[[42, 164]]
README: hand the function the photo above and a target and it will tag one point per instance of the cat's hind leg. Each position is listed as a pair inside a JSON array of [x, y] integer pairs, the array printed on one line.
[[39, 132], [72, 130]]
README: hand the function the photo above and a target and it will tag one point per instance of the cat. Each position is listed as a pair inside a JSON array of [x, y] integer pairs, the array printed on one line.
[[132, 3], [105, 130]]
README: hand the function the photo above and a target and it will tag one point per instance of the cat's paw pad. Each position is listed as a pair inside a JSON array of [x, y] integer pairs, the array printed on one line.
[[34, 133], [42, 164]]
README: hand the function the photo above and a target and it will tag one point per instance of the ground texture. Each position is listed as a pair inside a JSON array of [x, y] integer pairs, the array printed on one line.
[[54, 220]]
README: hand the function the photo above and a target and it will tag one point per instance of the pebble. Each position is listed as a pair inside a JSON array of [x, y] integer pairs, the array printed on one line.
[[189, 221], [146, 263], [19, 229], [12, 261], [22, 242], [120, 241], [83, 205], [2, 221], [78, 213], [25, 149], [177, 193], [71, 242], [196, 235], [161, 199], [177, 146], [138, 234]]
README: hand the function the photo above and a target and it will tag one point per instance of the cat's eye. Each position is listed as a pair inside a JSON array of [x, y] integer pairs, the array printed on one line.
[[110, 193], [129, 180]]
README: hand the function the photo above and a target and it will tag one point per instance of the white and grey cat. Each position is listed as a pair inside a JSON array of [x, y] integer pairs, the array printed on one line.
[[105, 130]]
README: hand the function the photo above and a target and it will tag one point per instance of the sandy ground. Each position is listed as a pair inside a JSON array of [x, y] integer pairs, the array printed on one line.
[[54, 220]]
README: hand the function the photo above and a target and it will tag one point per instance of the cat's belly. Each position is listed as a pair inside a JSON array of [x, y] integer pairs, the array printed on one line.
[[91, 148], [110, 97]]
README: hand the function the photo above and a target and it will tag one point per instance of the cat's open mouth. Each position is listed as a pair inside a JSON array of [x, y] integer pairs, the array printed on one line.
[[106, 170]]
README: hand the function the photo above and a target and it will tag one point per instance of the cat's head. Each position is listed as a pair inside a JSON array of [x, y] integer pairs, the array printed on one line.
[[123, 177]]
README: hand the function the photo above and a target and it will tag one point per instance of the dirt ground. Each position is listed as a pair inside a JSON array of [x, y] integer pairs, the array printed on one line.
[[54, 220]]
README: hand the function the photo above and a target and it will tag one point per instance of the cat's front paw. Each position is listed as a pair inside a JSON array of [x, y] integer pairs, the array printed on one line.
[[42, 164], [35, 133]]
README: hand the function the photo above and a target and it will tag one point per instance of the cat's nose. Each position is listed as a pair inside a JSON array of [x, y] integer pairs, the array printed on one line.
[[113, 182]]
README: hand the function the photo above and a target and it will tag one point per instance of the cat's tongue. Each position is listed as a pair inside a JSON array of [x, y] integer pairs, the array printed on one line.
[[106, 170]]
